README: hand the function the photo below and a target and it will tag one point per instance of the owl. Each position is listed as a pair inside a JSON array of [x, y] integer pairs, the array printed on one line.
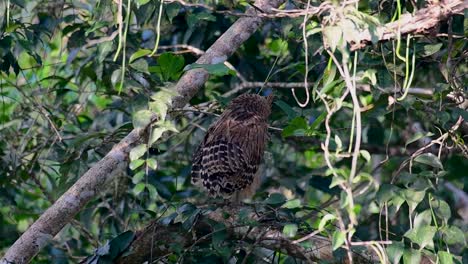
[[226, 162]]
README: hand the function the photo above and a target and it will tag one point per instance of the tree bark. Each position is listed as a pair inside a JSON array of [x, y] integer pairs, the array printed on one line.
[[94, 180]]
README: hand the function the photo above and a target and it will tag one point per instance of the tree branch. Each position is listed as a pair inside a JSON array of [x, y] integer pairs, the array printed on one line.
[[95, 179], [423, 20], [148, 245]]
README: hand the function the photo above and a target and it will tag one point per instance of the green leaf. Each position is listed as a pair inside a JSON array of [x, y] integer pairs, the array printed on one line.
[[332, 36], [115, 77], [168, 219], [120, 243], [422, 235], [172, 9], [417, 137], [164, 95], [286, 108], [276, 199], [169, 66], [278, 47], [338, 239], [188, 223], [397, 200], [371, 75], [152, 163], [453, 235], [324, 221], [138, 188], [219, 235], [339, 144], [385, 193], [365, 154], [218, 69], [318, 121], [336, 180], [160, 108], [411, 256], [429, 159], [430, 49], [137, 152], [142, 118], [445, 257], [395, 251], [156, 134], [329, 87], [422, 219], [297, 126], [442, 209], [138, 54], [138, 177], [140, 65], [142, 2], [136, 164], [290, 230], [168, 125], [413, 198], [291, 204], [153, 193]]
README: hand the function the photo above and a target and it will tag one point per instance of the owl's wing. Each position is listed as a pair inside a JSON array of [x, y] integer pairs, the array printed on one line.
[[222, 164]]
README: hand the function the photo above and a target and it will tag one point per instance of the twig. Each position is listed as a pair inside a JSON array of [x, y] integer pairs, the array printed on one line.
[[93, 42]]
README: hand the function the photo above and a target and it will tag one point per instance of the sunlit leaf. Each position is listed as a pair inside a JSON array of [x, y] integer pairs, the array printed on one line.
[[138, 177], [338, 239], [138, 188], [137, 152], [324, 221], [152, 163], [445, 257], [291, 204], [156, 134], [413, 198], [429, 159], [138, 54], [411, 256], [290, 230], [142, 118], [136, 164], [332, 35]]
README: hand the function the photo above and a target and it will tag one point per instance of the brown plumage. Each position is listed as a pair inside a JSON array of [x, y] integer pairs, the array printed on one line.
[[227, 160]]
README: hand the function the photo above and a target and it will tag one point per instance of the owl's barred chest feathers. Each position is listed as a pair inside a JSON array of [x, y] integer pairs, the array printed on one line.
[[226, 161]]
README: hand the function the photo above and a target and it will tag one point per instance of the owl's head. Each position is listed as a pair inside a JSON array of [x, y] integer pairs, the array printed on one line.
[[253, 103]]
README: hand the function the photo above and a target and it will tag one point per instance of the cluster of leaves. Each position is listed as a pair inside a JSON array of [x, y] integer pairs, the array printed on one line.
[[68, 92]]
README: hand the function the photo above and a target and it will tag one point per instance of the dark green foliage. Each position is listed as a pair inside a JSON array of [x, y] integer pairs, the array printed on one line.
[[66, 99]]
